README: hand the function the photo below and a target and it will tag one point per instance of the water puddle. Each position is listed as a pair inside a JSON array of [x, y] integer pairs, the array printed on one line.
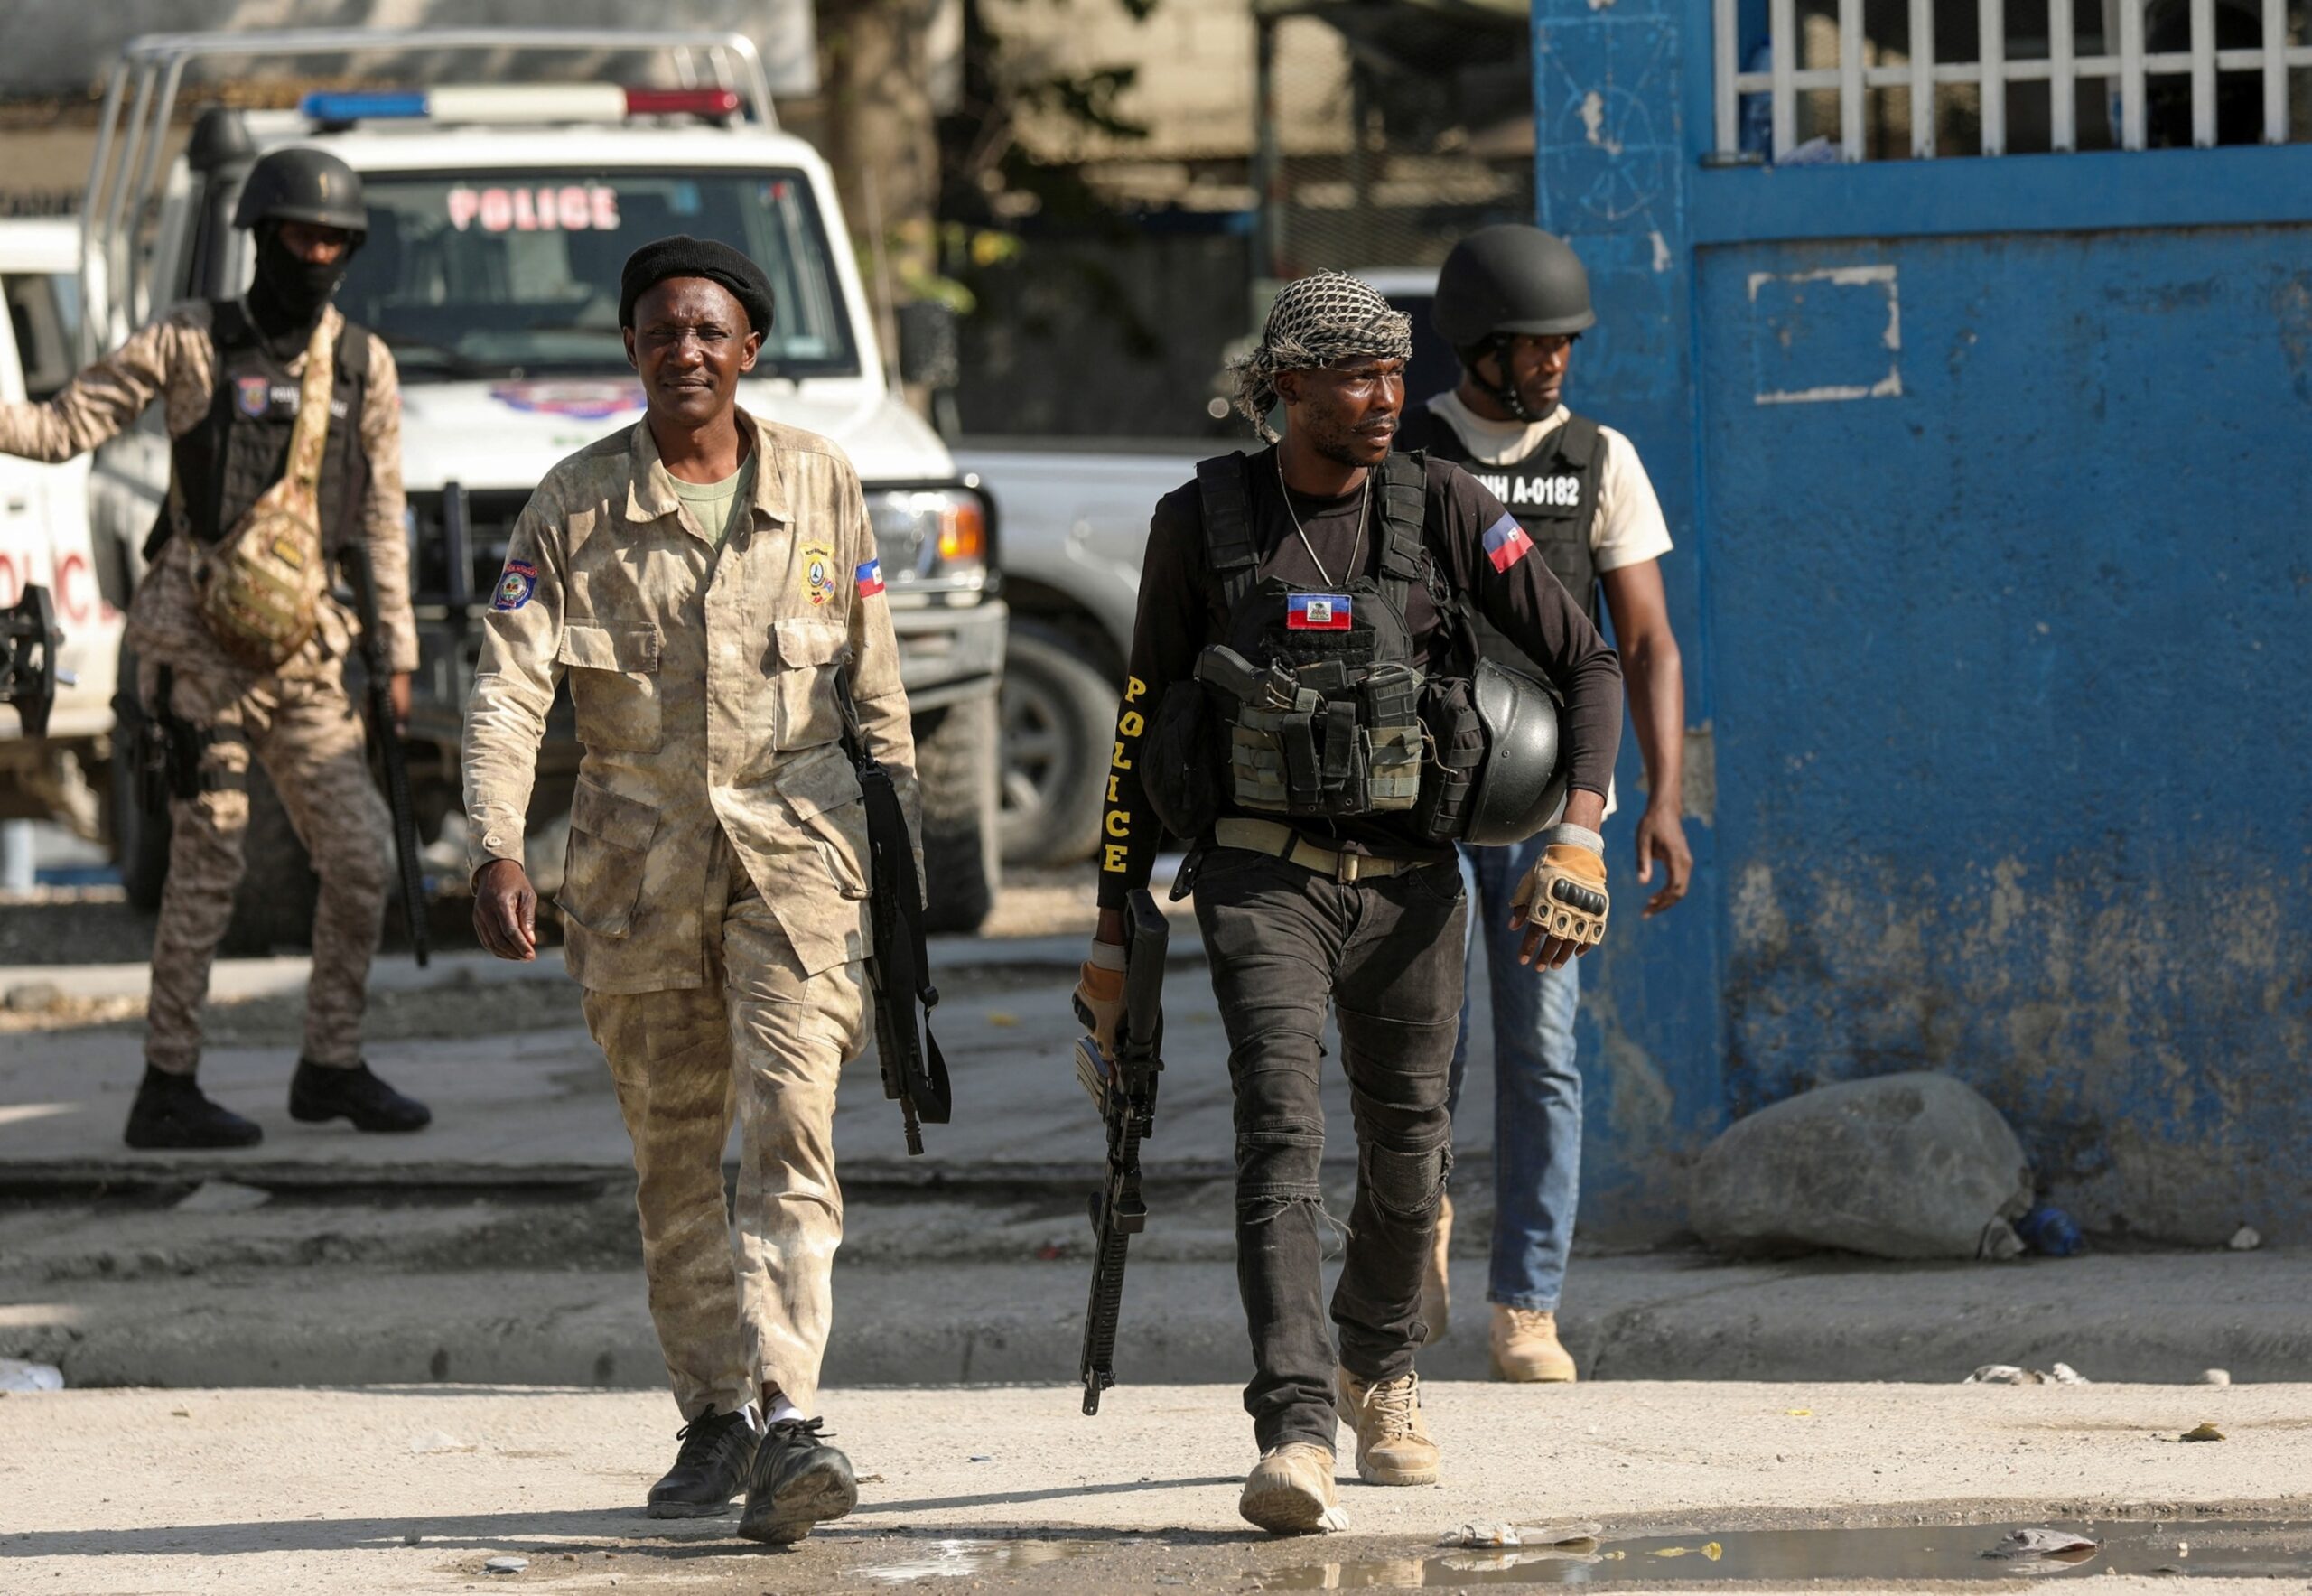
[[2236, 1549], [946, 1560]]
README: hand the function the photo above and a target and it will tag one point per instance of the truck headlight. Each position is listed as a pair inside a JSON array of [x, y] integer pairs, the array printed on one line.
[[933, 538]]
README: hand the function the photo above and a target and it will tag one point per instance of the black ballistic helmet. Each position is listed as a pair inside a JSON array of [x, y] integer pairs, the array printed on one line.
[[1519, 784], [1507, 280], [303, 185]]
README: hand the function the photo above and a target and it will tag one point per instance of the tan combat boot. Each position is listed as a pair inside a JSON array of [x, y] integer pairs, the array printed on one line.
[[1392, 1445], [1525, 1346], [1290, 1491], [1436, 1293]]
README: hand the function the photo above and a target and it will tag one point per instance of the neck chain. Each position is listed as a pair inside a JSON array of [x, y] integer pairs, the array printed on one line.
[[1356, 544]]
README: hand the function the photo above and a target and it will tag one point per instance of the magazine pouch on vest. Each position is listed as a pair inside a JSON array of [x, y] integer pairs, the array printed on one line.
[[260, 584], [1317, 691]]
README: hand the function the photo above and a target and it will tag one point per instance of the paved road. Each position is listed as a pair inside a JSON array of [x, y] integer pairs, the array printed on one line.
[[373, 1490], [520, 1094]]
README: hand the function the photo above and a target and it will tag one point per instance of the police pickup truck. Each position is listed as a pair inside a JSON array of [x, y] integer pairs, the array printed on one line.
[[499, 216], [44, 543]]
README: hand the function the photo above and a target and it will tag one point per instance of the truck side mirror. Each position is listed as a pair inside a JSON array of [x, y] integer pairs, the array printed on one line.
[[927, 352]]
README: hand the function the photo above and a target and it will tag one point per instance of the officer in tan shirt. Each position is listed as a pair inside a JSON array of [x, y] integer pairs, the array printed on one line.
[[700, 580]]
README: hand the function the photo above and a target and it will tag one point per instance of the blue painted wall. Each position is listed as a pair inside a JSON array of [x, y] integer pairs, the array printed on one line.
[[1993, 487]]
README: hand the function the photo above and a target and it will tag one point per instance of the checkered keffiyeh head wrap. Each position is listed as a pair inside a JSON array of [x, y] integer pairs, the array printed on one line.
[[1324, 317]]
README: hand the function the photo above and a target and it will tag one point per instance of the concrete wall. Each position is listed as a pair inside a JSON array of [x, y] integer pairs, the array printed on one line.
[[1994, 586]]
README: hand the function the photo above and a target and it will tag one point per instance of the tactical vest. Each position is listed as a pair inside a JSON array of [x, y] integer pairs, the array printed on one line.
[[1313, 705], [1318, 691], [240, 448], [1553, 492]]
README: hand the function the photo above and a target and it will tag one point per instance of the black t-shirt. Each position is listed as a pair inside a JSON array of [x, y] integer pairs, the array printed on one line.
[[1182, 608]]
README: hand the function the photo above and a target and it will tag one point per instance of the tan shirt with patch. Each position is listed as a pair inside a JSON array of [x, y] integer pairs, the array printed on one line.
[[175, 360], [703, 681]]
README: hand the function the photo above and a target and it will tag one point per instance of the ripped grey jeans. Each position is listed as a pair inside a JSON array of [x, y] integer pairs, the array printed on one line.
[[1387, 953]]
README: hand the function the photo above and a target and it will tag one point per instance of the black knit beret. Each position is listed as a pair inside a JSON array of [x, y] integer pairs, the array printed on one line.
[[682, 256]]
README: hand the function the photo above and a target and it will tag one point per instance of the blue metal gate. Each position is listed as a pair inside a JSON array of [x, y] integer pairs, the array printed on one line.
[[1993, 483]]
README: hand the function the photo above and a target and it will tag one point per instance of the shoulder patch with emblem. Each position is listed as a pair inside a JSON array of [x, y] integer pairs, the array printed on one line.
[[870, 578], [253, 394], [515, 587], [818, 573]]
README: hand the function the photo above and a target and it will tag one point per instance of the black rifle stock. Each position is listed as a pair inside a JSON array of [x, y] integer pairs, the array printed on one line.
[[379, 667], [914, 1074], [1127, 1100]]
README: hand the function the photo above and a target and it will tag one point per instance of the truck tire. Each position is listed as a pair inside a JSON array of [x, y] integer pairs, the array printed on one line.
[[1060, 717], [956, 759]]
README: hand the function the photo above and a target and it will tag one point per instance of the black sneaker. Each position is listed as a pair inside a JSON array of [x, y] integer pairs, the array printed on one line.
[[710, 1469], [318, 1092], [798, 1481], [171, 1111]]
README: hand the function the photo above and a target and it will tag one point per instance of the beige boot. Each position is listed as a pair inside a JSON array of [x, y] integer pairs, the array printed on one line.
[[1525, 1345], [1436, 1293], [1393, 1445], [1290, 1491]]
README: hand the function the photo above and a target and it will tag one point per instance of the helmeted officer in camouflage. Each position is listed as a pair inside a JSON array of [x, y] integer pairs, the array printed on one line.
[[702, 579], [228, 376]]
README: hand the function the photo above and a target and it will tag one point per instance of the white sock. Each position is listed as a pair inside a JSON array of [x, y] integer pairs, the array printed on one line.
[[754, 1415], [782, 1409]]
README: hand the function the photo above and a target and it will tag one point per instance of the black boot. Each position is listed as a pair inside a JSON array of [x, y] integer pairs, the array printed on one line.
[[318, 1092], [171, 1111], [798, 1481], [709, 1470]]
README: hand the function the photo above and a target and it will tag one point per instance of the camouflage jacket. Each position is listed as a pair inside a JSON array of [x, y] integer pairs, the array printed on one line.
[[174, 362], [703, 679]]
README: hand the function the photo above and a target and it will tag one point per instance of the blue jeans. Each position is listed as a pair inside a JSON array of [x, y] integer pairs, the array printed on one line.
[[1536, 1089]]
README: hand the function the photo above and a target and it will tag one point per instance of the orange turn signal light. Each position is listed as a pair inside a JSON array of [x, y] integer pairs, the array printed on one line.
[[963, 533]]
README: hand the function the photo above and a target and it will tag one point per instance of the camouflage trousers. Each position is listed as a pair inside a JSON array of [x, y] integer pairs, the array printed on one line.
[[309, 738], [765, 1042]]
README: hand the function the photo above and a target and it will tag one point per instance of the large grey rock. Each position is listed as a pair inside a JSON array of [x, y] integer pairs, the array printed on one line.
[[1915, 1165]]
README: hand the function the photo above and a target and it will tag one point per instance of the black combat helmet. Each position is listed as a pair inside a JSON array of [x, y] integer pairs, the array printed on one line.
[[1510, 279], [303, 185], [1521, 783]]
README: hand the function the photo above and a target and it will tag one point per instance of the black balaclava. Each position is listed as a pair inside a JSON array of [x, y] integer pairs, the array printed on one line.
[[289, 295]]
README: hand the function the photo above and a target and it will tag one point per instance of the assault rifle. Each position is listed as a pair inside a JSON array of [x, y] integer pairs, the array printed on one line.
[[29, 642], [914, 1071], [378, 666], [1124, 1089]]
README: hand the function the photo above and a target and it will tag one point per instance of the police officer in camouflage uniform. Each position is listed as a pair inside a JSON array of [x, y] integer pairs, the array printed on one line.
[[227, 374], [704, 582]]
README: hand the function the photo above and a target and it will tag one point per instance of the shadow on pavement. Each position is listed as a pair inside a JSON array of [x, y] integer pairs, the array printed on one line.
[[626, 1532]]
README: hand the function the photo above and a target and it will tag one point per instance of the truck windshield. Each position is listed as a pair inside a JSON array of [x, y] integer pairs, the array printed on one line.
[[472, 275]]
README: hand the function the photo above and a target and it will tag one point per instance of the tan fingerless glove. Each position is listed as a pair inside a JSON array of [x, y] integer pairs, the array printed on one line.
[[1564, 894]]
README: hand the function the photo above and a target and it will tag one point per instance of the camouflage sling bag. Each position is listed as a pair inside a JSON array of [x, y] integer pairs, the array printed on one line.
[[261, 586]]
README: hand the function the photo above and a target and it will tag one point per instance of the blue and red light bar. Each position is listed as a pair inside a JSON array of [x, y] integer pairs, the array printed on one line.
[[526, 102]]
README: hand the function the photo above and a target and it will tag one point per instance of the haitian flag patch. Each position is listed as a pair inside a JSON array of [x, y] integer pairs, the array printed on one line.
[[869, 577], [1506, 543], [516, 586], [1316, 611]]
